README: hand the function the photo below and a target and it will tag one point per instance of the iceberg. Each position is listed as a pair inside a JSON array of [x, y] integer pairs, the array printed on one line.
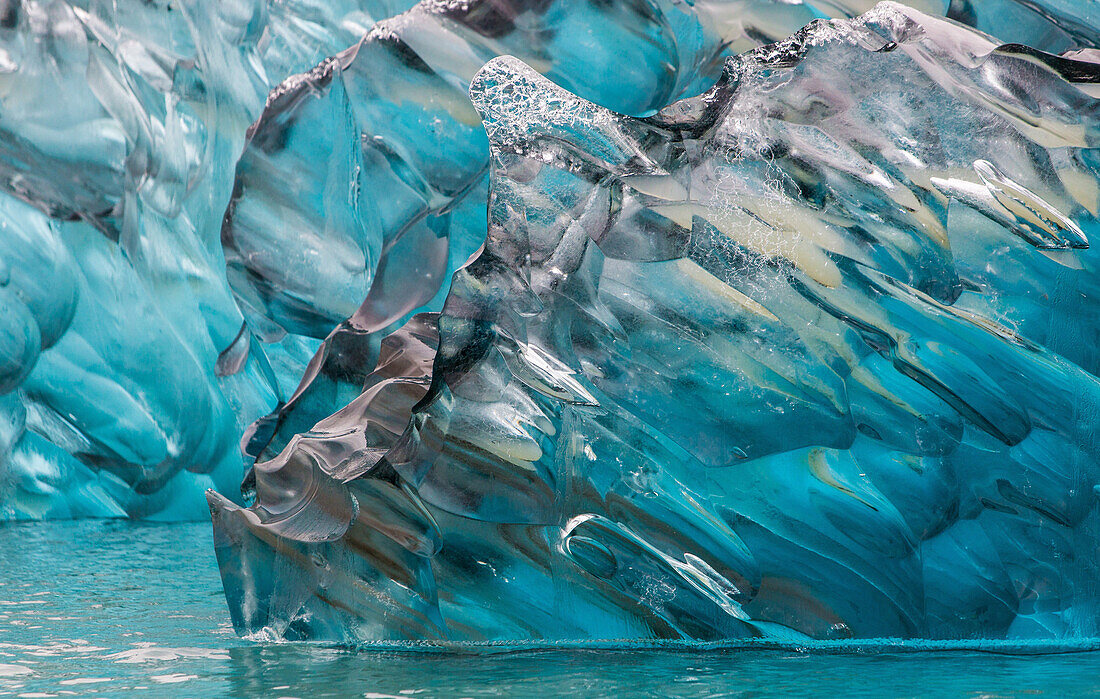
[[807, 356], [566, 319]]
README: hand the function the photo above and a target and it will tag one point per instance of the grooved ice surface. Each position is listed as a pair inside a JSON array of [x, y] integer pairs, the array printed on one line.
[[373, 231], [128, 374], [119, 124], [365, 237], [128, 371], [811, 355]]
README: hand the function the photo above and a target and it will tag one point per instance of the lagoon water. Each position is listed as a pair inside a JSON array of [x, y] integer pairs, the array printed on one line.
[[120, 609]]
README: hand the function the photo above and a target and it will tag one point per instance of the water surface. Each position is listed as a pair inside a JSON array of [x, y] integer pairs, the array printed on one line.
[[119, 609]]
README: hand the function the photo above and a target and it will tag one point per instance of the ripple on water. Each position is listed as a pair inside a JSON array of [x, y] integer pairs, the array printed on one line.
[[151, 653]]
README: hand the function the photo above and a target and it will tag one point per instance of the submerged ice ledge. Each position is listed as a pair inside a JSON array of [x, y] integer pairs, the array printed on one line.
[[810, 356]]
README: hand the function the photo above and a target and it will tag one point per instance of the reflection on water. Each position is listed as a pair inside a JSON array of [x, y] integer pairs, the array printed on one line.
[[115, 609]]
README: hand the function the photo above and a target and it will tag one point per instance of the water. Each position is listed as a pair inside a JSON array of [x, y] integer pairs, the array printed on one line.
[[118, 609]]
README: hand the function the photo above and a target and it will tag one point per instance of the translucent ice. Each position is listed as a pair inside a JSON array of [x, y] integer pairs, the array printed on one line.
[[372, 233], [122, 125], [119, 124], [811, 354]]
